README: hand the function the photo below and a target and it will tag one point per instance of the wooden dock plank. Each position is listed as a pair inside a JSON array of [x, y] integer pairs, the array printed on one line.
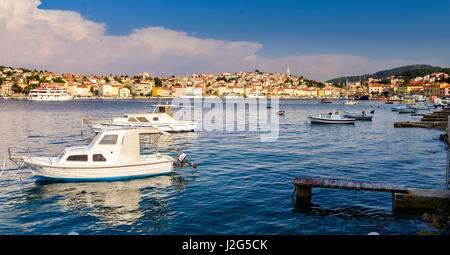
[[353, 185]]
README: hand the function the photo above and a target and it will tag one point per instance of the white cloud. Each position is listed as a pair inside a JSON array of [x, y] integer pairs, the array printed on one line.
[[63, 41]]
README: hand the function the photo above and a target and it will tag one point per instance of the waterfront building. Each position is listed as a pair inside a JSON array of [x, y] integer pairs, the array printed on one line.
[[105, 90]]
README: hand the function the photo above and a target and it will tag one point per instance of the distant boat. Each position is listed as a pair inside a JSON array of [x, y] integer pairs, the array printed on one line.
[[331, 118], [281, 112], [389, 102], [357, 116], [232, 96], [256, 95], [191, 96], [350, 102], [408, 110], [364, 97], [325, 101], [49, 95], [399, 107]]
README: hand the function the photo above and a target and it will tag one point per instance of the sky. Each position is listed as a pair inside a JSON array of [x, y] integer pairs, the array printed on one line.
[[316, 39]]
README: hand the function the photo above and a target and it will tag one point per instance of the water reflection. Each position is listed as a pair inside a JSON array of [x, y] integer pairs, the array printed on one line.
[[113, 203]]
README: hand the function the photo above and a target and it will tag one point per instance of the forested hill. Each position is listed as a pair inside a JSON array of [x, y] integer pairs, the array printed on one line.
[[408, 72]]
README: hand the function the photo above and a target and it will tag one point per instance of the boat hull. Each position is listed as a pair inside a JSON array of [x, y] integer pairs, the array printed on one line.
[[329, 121], [97, 126], [359, 117], [162, 166], [61, 98]]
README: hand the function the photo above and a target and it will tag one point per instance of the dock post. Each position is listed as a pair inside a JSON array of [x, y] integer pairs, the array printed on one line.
[[303, 196]]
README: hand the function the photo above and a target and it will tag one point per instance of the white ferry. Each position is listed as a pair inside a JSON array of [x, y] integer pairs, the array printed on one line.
[[49, 95]]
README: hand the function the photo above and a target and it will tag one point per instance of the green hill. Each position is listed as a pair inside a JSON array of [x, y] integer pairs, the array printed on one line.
[[408, 72]]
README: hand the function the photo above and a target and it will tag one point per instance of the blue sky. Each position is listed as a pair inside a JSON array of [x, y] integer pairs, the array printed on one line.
[[374, 29], [316, 39]]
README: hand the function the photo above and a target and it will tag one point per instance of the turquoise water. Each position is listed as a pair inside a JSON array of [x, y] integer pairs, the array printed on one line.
[[242, 185]]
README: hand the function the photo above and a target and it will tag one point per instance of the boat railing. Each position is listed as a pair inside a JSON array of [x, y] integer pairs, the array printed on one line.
[[13, 151]]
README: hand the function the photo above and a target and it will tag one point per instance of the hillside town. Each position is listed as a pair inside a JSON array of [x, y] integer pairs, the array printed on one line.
[[18, 82]]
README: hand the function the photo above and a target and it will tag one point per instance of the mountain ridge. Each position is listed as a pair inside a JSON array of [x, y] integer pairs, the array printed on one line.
[[408, 71]]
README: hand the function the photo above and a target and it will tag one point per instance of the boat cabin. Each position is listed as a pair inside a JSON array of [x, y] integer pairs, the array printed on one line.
[[163, 108], [109, 147]]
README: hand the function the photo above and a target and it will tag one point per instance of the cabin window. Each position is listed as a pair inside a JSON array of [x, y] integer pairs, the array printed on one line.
[[98, 158], [132, 119], [109, 140], [142, 119], [155, 119], [161, 110], [77, 158]]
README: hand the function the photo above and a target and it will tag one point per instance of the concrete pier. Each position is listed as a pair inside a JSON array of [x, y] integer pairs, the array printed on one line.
[[437, 120], [402, 198], [421, 199]]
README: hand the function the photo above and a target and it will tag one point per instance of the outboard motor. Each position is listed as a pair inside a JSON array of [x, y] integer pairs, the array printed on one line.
[[181, 160]]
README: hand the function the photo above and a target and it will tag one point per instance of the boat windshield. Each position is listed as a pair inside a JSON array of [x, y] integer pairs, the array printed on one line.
[[95, 140], [61, 155]]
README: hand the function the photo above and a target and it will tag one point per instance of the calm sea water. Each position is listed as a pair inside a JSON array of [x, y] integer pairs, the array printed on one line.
[[242, 185]]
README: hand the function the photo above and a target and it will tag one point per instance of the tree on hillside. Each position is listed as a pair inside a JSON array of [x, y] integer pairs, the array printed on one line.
[[158, 82]]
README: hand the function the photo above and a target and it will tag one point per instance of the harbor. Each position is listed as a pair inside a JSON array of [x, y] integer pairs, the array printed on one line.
[[241, 185]]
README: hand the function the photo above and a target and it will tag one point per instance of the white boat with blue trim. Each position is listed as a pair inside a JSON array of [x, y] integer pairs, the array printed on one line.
[[334, 117], [113, 154], [161, 117]]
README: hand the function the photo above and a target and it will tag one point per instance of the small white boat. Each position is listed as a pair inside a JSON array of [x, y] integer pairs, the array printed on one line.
[[49, 95], [192, 95], [350, 102], [161, 117], [407, 110], [419, 106], [399, 107], [331, 118], [4, 96], [357, 116], [232, 96], [256, 95], [112, 155]]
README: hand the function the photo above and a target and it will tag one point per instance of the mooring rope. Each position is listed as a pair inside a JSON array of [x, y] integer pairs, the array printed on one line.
[[3, 168]]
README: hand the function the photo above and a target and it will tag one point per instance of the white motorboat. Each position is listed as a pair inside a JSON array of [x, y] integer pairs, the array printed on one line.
[[161, 117], [357, 116], [4, 96], [407, 110], [350, 102], [331, 118], [256, 95], [232, 96], [49, 95], [192, 95], [399, 107], [112, 155], [419, 106]]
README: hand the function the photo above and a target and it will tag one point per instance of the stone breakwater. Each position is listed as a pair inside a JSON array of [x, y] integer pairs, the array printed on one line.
[[437, 120]]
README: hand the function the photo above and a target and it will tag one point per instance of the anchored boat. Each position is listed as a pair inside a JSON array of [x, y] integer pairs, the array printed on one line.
[[331, 118], [325, 101], [49, 95], [357, 116], [112, 155], [350, 102], [161, 117], [399, 107]]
